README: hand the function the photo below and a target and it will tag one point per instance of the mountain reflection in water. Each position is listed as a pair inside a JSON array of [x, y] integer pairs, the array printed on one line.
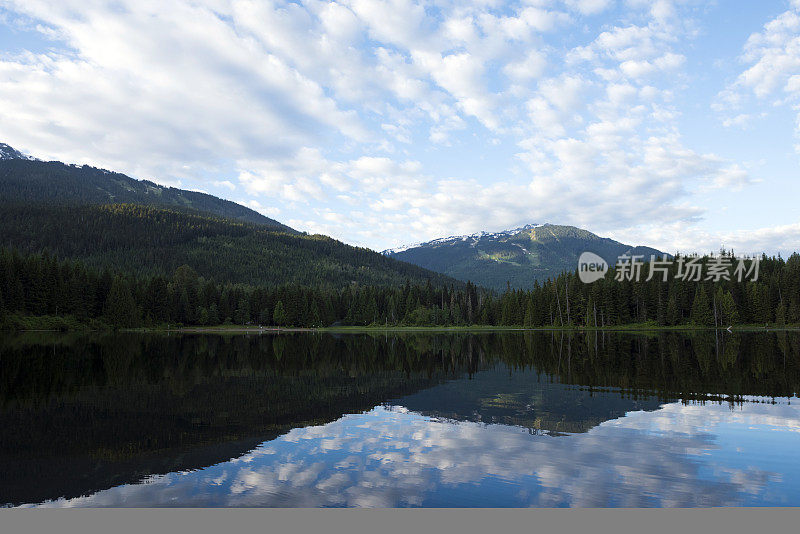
[[411, 420]]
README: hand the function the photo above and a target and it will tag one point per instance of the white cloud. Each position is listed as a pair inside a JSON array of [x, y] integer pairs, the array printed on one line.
[[588, 7], [176, 83], [775, 54], [462, 76], [741, 120], [530, 67], [772, 57], [564, 92], [226, 184], [678, 237], [383, 106]]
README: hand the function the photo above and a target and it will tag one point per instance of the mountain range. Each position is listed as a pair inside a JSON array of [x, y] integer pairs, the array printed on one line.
[[111, 221], [25, 179], [516, 257]]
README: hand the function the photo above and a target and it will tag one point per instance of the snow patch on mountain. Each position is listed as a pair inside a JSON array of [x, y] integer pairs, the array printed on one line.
[[452, 239], [8, 152]]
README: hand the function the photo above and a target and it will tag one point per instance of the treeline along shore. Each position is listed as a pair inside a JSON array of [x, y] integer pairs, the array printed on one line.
[[42, 291]]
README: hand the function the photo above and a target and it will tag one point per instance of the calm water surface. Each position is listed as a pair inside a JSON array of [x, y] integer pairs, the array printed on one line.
[[544, 419]]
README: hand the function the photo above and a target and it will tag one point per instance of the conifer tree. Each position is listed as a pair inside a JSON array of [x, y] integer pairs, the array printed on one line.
[[279, 314], [213, 315], [701, 309], [120, 308]]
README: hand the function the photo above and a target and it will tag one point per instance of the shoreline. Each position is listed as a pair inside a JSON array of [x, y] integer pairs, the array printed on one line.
[[457, 329], [249, 329]]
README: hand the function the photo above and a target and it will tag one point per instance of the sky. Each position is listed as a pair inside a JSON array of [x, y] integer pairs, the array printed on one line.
[[668, 123]]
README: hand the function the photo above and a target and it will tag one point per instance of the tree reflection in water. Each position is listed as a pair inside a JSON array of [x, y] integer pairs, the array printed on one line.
[[465, 419]]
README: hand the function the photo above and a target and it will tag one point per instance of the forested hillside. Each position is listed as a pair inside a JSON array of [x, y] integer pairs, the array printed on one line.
[[111, 221], [151, 241], [93, 247], [40, 285], [34, 181]]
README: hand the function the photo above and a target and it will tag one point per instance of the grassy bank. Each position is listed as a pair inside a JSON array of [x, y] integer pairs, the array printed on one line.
[[63, 323], [17, 322], [648, 327]]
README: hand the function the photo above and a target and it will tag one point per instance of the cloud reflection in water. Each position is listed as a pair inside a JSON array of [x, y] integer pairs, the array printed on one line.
[[679, 455]]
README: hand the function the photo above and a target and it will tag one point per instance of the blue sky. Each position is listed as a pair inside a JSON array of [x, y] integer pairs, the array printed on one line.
[[671, 123]]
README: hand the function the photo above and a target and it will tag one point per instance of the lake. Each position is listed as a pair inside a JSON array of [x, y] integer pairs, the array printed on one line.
[[400, 419]]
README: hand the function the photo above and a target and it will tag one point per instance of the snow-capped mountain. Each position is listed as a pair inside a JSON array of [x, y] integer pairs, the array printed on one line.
[[474, 238], [9, 152], [518, 256]]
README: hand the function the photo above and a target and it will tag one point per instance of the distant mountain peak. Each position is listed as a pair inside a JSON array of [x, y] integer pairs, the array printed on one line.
[[465, 237], [518, 256], [9, 152]]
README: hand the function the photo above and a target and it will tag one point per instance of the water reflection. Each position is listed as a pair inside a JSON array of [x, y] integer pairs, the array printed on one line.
[[677, 456], [455, 420]]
